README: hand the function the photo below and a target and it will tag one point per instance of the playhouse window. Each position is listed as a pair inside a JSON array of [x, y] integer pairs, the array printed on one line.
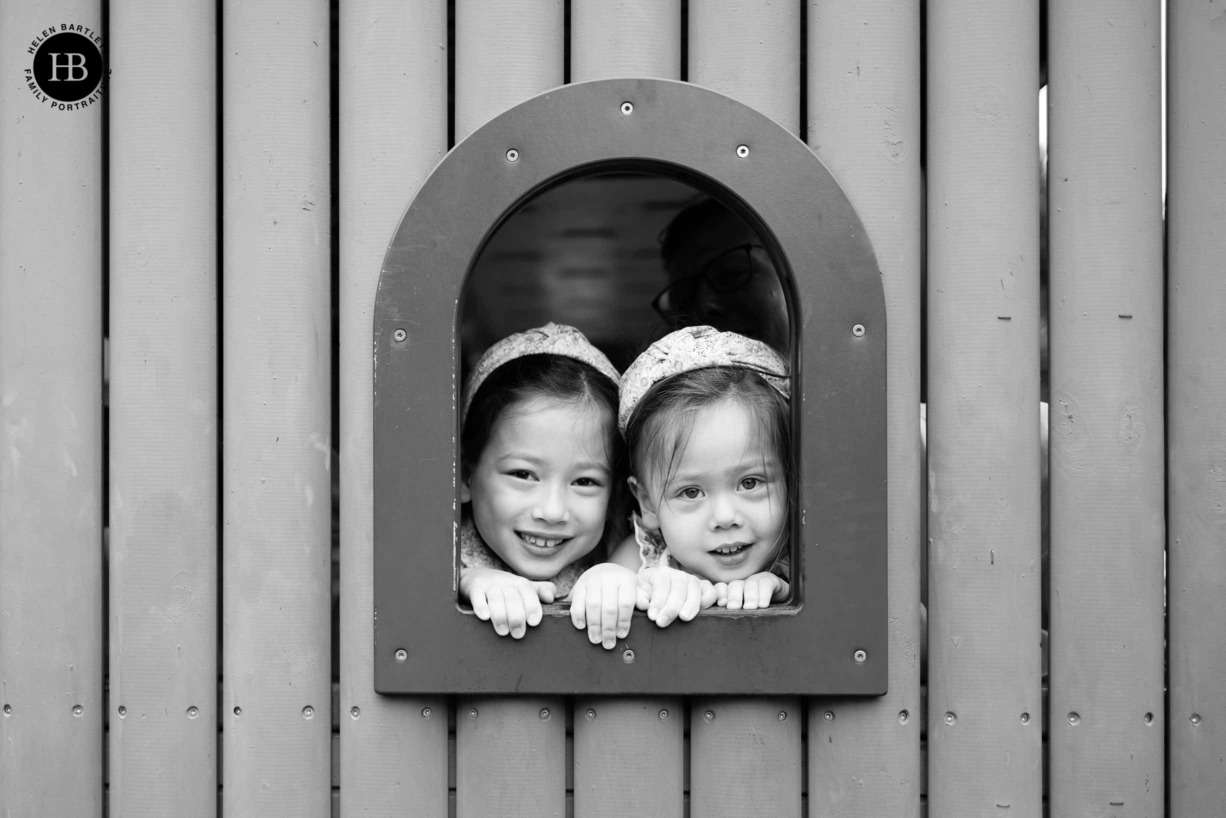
[[552, 212], [624, 257]]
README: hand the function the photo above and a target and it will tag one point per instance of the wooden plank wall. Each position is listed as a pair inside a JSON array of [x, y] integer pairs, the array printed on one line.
[[1107, 488], [647, 734], [51, 493], [163, 409], [984, 716], [243, 125], [392, 131], [1196, 393], [276, 409], [864, 121]]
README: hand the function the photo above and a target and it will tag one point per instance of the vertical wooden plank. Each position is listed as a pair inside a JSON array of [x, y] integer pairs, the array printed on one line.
[[393, 750], [275, 411], [1107, 450], [511, 757], [625, 38], [1196, 336], [745, 756], [163, 418], [629, 756], [641, 739], [864, 123], [984, 736], [51, 554], [510, 760], [505, 53], [751, 52]]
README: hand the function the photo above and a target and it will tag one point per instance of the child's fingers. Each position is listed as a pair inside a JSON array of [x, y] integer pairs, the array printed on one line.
[[676, 598], [545, 591], [692, 603], [707, 593], [752, 588], [660, 586], [498, 612], [578, 603], [515, 615], [642, 591], [610, 614], [595, 603], [625, 608], [736, 595], [480, 606], [721, 594], [781, 589], [533, 612]]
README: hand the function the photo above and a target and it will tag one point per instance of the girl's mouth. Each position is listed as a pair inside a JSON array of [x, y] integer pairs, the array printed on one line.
[[541, 542], [732, 549]]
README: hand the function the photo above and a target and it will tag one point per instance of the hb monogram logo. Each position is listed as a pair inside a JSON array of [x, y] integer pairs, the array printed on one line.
[[68, 70], [72, 63]]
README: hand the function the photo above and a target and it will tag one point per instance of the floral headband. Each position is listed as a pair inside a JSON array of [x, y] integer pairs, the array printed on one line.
[[698, 348], [551, 339]]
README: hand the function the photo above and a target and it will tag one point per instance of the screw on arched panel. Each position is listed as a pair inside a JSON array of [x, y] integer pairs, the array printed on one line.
[[627, 107], [512, 155], [742, 151]]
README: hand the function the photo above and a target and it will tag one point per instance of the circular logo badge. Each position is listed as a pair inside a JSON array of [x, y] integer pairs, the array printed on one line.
[[68, 66]]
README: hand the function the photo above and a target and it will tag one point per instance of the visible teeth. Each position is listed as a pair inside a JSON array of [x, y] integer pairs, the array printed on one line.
[[730, 549], [540, 542]]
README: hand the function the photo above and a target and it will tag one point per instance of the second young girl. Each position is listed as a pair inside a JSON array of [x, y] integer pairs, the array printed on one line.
[[540, 460], [706, 420]]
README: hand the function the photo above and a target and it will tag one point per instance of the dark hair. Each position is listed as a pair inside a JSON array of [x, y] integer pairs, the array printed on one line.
[[560, 379], [694, 218], [664, 418]]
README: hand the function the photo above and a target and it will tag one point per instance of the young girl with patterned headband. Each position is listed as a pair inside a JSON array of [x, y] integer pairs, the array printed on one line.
[[706, 420], [540, 460]]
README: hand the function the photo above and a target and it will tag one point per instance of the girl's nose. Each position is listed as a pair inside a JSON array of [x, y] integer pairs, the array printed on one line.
[[724, 512], [551, 505]]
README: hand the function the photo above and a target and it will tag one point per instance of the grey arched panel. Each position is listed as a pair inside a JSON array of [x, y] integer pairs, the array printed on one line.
[[833, 640]]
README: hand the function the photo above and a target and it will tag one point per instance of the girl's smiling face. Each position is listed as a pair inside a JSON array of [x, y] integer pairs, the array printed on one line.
[[723, 509], [540, 489]]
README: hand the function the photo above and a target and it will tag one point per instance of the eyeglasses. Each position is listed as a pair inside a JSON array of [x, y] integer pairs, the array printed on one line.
[[727, 273]]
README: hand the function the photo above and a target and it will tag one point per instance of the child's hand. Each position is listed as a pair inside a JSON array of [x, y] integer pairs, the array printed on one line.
[[750, 594], [667, 594], [509, 602], [603, 601]]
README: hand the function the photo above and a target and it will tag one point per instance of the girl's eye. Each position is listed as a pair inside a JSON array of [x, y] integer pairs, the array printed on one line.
[[588, 482], [751, 483], [520, 474], [690, 493]]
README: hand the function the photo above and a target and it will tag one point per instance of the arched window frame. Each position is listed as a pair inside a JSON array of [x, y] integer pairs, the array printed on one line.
[[833, 639]]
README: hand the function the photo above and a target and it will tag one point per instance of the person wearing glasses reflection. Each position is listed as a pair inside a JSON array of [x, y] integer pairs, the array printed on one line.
[[719, 274]]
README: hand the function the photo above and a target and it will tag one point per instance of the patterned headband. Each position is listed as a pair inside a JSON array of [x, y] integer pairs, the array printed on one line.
[[551, 339], [698, 348]]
